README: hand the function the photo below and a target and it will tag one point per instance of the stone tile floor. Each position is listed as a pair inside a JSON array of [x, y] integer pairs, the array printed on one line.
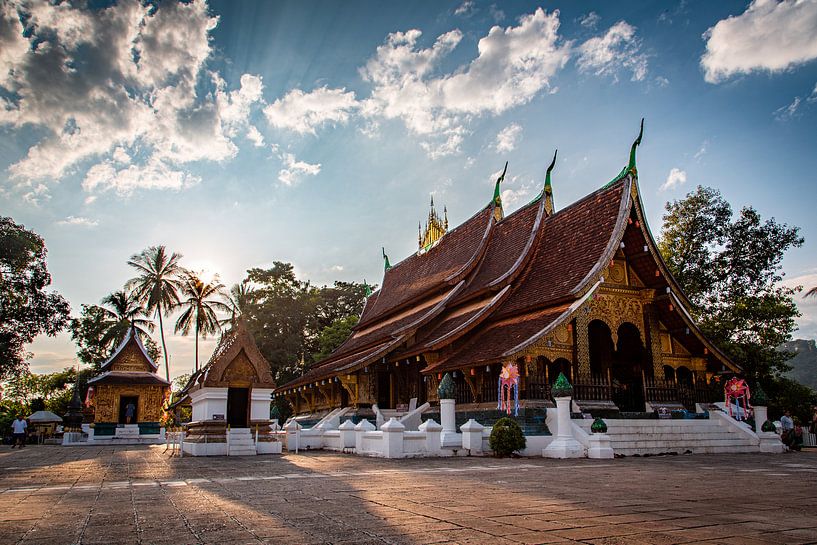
[[138, 494]]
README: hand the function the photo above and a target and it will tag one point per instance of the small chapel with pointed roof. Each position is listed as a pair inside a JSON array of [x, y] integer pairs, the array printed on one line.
[[582, 290]]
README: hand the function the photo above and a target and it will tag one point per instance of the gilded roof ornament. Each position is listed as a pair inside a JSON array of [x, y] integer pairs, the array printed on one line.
[[386, 264], [497, 201], [631, 166], [548, 191], [436, 227]]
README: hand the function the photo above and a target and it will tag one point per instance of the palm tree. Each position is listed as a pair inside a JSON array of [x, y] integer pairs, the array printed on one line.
[[199, 303], [123, 312], [157, 285], [812, 292], [239, 300]]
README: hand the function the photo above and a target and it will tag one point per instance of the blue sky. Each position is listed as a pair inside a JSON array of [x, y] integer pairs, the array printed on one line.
[[241, 133]]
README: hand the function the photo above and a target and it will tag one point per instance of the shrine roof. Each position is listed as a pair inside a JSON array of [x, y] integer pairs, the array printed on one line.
[[442, 265], [575, 243], [490, 342], [512, 238], [128, 377], [130, 337]]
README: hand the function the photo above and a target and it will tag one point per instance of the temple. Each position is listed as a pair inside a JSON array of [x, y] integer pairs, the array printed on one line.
[[127, 395], [230, 398], [582, 290]]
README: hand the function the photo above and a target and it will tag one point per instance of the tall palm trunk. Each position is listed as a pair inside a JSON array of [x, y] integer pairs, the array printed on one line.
[[164, 346], [197, 343]]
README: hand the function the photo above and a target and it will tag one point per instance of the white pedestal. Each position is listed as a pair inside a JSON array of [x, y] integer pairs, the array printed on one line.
[[564, 446], [449, 436], [600, 446]]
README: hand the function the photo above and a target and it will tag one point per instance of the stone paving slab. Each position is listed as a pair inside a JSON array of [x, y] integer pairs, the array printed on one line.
[[138, 494]]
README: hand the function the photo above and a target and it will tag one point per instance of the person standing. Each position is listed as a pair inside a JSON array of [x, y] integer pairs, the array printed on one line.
[[813, 425], [130, 410], [786, 428], [18, 428]]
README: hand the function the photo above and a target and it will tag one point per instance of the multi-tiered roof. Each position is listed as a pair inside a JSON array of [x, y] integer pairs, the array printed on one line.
[[495, 285]]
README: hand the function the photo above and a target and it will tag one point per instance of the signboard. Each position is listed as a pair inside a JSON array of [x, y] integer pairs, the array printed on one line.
[[218, 417]]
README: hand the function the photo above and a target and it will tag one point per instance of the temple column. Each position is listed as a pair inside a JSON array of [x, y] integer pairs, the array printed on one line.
[[654, 340], [582, 340]]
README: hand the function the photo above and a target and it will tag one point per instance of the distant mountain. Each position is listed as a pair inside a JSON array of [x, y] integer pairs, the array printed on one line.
[[804, 361]]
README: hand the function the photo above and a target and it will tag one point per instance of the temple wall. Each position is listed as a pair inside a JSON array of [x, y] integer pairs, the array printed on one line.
[[107, 400]]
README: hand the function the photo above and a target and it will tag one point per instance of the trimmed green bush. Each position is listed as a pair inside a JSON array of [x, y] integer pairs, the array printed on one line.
[[768, 426], [506, 437]]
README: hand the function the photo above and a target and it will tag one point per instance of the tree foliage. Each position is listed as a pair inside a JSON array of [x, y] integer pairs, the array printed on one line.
[[26, 308], [287, 317], [334, 334], [92, 333], [730, 268]]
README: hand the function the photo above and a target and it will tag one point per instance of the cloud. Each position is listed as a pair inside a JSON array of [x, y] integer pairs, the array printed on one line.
[[507, 138], [701, 151], [466, 9], [513, 65], [813, 96], [676, 177], [769, 36], [302, 112], [254, 136], [79, 221], [787, 112], [807, 322], [617, 50], [117, 91], [590, 20], [294, 170]]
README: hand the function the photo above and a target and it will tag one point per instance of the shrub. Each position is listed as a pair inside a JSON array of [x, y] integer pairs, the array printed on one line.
[[506, 437]]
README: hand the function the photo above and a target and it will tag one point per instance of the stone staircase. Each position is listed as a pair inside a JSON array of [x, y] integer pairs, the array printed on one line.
[[700, 436], [240, 442]]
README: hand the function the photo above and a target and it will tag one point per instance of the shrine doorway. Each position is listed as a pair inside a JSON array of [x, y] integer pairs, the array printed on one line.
[[601, 348], [124, 401], [238, 407], [628, 369]]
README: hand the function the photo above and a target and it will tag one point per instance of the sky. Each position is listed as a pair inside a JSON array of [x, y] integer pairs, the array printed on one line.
[[243, 133]]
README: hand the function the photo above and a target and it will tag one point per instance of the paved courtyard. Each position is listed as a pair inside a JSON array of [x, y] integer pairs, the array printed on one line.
[[140, 495]]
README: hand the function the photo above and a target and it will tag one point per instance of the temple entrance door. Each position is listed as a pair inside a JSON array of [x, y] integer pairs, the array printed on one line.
[[628, 391], [238, 407], [124, 401], [384, 390]]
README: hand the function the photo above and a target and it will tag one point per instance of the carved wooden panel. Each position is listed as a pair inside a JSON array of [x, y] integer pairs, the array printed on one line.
[[240, 371], [131, 359], [107, 396]]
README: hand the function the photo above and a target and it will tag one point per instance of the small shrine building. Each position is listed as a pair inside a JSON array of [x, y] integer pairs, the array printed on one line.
[[128, 377], [582, 290], [231, 397]]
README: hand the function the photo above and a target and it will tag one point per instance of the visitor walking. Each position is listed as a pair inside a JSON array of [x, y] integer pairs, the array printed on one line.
[[813, 426], [130, 410], [18, 429], [786, 428]]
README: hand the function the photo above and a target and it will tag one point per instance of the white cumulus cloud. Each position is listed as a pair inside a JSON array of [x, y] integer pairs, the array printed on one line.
[[294, 170], [770, 36], [512, 66], [676, 177], [507, 138], [79, 221], [615, 51], [118, 93], [304, 112]]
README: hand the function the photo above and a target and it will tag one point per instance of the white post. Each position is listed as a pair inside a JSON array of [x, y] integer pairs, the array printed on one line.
[[292, 430], [393, 438], [565, 445], [761, 415], [448, 419], [347, 434], [432, 431], [472, 436], [769, 441], [181, 444], [362, 427]]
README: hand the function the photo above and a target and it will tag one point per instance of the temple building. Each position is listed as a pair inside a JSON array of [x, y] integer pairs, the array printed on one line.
[[231, 398], [582, 290], [128, 395]]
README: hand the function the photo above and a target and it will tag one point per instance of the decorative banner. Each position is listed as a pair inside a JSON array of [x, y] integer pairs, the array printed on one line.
[[736, 389], [89, 397], [508, 380]]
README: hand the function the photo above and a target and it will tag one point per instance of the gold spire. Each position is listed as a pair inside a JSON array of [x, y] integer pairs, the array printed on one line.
[[435, 228]]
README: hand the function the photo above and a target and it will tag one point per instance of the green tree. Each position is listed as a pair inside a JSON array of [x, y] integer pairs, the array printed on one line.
[[124, 312], [157, 284], [26, 308], [94, 346], [729, 267], [199, 302], [239, 300], [333, 335]]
